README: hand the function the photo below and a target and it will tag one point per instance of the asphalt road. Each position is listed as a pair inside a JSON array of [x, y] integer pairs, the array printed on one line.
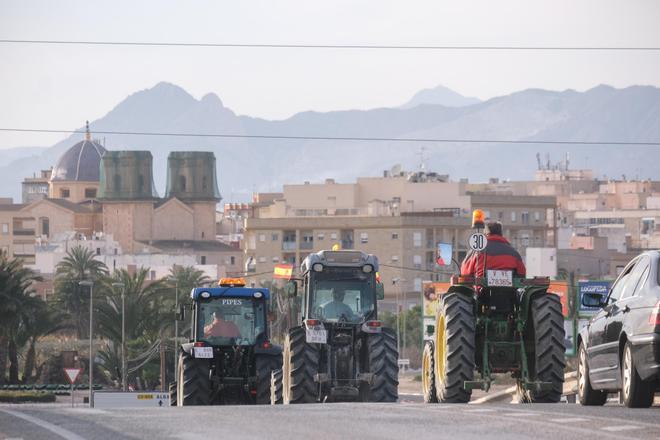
[[408, 421]]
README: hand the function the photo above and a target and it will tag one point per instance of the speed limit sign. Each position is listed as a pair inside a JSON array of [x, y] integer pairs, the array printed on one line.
[[478, 241]]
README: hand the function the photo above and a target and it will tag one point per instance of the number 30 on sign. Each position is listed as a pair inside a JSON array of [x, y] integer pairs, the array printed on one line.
[[478, 241]]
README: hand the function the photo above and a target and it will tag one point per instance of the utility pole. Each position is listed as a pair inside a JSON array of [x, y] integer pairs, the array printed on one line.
[[90, 284], [122, 286], [162, 364], [176, 330]]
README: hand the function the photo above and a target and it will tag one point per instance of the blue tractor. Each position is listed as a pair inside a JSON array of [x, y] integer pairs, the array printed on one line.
[[229, 357]]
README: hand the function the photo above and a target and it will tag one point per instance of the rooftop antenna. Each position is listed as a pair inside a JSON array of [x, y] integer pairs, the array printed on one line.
[[547, 161], [538, 160], [88, 136], [422, 162], [568, 158]]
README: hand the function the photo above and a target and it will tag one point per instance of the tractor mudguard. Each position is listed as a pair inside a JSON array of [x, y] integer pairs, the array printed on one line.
[[273, 350], [528, 294], [187, 347]]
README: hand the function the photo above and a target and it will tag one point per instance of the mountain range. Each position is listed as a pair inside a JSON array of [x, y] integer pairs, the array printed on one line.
[[602, 113]]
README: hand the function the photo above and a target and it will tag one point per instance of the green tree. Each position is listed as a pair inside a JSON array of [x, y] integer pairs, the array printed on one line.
[[184, 279], [147, 314], [17, 307], [78, 264]]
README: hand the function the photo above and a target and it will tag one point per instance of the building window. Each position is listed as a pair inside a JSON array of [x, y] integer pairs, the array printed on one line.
[[364, 237], [152, 275], [537, 216], [202, 259], [417, 239], [395, 258], [320, 236], [500, 216], [395, 235], [65, 193], [524, 217], [98, 251], [45, 227], [417, 261], [333, 236], [513, 216], [232, 260], [90, 193], [182, 183], [262, 237], [140, 183], [5, 228], [262, 259], [205, 184], [648, 226], [417, 285], [276, 259], [274, 237]]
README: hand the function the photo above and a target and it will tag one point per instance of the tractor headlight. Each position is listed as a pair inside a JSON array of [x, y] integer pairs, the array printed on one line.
[[317, 267], [205, 295], [257, 294], [367, 268]]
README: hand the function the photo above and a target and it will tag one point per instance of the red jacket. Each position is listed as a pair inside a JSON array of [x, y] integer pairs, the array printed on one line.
[[499, 254]]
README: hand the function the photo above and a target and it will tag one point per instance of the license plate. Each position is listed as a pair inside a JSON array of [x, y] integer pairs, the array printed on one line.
[[203, 352], [500, 278], [314, 336]]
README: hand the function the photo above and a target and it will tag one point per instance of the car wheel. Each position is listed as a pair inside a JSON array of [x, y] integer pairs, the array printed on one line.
[[586, 394], [636, 393]]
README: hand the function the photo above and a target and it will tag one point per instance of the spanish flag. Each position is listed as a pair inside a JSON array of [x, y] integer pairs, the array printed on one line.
[[283, 271]]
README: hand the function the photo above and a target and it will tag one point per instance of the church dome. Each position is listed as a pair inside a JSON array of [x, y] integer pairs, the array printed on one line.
[[80, 162]]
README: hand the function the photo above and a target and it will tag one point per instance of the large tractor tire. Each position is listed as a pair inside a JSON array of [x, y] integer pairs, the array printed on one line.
[[383, 357], [194, 384], [454, 348], [300, 365], [635, 392], [547, 362], [265, 365], [428, 374], [586, 394], [276, 387], [172, 390]]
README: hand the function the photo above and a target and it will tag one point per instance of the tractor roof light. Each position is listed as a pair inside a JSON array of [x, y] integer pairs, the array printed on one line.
[[367, 268], [232, 282], [478, 219], [317, 267], [257, 294], [205, 295]]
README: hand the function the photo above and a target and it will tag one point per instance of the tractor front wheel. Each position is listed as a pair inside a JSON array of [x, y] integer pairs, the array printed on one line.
[[547, 361], [276, 387], [300, 365], [194, 384], [428, 374], [454, 348]]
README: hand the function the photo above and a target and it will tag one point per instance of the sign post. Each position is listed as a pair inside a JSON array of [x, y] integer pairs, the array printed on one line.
[[72, 375]]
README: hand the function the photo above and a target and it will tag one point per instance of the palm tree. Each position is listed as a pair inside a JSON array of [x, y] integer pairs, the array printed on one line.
[[17, 307], [184, 279], [145, 314], [79, 264]]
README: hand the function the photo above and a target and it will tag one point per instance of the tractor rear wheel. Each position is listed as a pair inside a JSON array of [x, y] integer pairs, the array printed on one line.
[[383, 357], [428, 374], [194, 384], [264, 366], [172, 390], [276, 387], [454, 348], [547, 364], [300, 365]]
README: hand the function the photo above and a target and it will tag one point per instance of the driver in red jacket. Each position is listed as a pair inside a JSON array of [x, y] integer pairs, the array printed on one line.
[[499, 255]]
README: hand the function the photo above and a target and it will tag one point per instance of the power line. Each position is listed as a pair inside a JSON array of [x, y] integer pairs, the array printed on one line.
[[336, 46], [341, 138]]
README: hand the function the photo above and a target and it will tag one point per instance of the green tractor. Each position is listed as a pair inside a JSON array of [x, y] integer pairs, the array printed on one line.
[[229, 358], [340, 351], [495, 324]]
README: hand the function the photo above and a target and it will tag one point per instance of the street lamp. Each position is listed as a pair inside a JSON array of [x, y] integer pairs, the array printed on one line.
[[122, 286], [90, 284], [176, 330]]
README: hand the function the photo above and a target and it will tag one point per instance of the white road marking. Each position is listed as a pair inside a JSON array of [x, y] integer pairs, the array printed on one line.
[[520, 414], [64, 433], [569, 420], [621, 428], [479, 410]]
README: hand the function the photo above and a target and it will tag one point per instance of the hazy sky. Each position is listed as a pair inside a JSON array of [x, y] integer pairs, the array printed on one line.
[[61, 86]]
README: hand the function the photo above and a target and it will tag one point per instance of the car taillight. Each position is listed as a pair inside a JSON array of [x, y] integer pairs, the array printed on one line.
[[374, 324], [199, 344], [462, 279], [312, 322], [266, 344], [654, 317]]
